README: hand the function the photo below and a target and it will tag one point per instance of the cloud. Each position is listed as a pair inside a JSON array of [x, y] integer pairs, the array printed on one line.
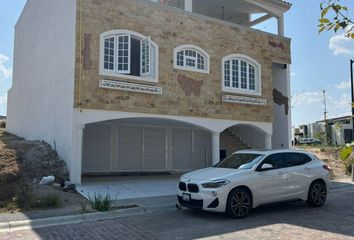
[[339, 107], [308, 107], [343, 85], [4, 71], [293, 74], [307, 98], [341, 45]]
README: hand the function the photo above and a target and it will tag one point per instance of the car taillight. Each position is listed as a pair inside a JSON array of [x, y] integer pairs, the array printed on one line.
[[328, 168]]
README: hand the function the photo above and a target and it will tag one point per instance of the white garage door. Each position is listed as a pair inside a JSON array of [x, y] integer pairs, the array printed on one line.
[[182, 156], [154, 149], [202, 149], [97, 148], [129, 148], [133, 148]]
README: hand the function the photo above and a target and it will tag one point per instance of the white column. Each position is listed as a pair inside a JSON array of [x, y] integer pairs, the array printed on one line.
[[188, 5], [288, 78], [268, 141], [76, 166], [216, 147], [281, 25]]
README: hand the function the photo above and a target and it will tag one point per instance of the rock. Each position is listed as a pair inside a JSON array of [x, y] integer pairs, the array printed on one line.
[[47, 180]]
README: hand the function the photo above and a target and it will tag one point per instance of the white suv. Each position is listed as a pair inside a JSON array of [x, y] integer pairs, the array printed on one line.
[[250, 178]]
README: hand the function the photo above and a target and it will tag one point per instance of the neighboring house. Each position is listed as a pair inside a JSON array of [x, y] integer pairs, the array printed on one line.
[[314, 130], [339, 130], [150, 86]]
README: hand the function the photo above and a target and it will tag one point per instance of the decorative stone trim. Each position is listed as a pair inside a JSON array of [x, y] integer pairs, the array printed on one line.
[[131, 87], [243, 100]]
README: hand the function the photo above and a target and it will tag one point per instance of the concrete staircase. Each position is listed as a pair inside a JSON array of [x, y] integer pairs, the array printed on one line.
[[231, 142]]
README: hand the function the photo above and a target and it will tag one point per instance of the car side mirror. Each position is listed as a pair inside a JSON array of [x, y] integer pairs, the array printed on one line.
[[266, 166]]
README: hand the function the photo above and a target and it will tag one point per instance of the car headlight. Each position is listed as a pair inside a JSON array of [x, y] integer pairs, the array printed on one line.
[[216, 183]]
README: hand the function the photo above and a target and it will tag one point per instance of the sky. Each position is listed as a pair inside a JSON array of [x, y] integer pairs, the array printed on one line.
[[319, 61]]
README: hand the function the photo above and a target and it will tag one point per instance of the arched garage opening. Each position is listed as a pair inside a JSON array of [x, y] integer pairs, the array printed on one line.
[[242, 136], [144, 145]]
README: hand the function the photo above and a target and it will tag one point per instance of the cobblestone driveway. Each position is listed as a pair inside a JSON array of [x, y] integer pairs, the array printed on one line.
[[286, 221]]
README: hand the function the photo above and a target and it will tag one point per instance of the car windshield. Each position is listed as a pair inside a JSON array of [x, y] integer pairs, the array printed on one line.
[[240, 161]]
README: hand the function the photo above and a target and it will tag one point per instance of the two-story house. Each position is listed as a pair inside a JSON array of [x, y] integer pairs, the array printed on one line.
[[120, 86]]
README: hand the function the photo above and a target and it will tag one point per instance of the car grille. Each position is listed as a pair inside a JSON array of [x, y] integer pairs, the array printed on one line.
[[193, 188], [193, 204], [182, 186]]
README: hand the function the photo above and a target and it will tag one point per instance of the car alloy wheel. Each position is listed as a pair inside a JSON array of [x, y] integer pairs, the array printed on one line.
[[317, 194], [239, 203]]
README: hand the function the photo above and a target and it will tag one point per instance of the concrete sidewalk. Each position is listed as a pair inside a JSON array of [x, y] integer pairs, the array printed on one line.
[[130, 187]]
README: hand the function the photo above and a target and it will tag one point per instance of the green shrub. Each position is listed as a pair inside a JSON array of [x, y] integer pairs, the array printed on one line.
[[347, 160], [48, 201], [345, 152], [102, 202]]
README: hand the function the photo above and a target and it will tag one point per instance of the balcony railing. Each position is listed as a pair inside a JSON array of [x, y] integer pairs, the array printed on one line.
[[249, 13]]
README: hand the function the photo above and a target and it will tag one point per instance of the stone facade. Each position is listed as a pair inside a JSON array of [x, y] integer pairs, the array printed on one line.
[[169, 28]]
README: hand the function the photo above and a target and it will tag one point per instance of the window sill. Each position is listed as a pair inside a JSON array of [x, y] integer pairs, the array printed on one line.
[[129, 77], [240, 91], [191, 69]]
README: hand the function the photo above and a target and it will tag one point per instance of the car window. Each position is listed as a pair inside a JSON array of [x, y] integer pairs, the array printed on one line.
[[240, 161], [296, 159], [276, 160]]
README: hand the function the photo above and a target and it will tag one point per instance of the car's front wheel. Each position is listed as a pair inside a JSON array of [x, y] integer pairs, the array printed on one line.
[[238, 203], [317, 194]]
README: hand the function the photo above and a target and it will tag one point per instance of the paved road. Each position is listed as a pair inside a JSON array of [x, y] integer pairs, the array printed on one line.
[[285, 221]]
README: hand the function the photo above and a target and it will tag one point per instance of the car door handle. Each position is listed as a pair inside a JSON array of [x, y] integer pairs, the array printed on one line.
[[307, 168], [281, 173]]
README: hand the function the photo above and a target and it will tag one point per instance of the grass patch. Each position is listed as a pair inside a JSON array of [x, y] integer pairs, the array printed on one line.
[[103, 202], [48, 201]]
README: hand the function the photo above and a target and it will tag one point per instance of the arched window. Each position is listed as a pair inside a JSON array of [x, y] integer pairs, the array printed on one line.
[[241, 74], [191, 58], [128, 54]]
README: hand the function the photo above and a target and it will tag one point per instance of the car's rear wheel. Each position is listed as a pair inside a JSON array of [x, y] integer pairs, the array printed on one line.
[[317, 194], [238, 203]]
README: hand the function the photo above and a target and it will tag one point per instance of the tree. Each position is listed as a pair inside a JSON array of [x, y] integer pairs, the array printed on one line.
[[334, 17]]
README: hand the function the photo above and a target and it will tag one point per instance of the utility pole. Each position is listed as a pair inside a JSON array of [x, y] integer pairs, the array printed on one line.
[[351, 81], [352, 87], [325, 115]]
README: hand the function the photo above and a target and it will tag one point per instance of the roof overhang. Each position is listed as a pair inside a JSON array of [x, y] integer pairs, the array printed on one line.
[[275, 7]]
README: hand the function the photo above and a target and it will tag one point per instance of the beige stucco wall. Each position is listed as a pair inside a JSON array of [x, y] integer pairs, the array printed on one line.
[[170, 28]]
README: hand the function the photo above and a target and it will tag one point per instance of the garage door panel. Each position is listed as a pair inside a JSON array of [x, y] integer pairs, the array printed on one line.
[[182, 157], [97, 148], [154, 149], [129, 148], [202, 149]]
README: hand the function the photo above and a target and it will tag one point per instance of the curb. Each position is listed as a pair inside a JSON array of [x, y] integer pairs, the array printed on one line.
[[13, 226]]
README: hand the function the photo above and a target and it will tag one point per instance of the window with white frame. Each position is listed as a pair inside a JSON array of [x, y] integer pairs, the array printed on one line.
[[241, 74], [128, 54], [191, 58]]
